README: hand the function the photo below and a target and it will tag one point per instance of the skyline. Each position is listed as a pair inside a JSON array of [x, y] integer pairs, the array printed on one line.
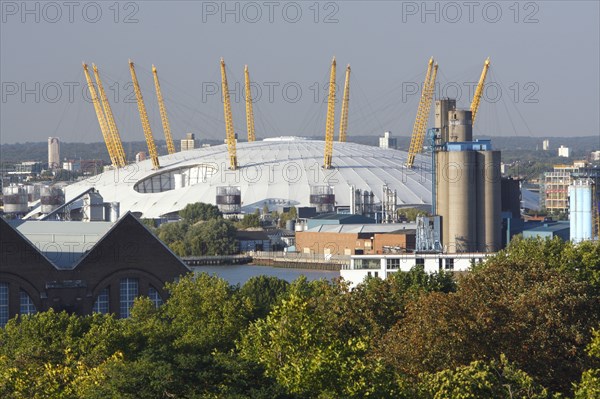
[[543, 81]]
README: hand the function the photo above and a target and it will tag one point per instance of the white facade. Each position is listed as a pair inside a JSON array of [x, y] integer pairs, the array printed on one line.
[[278, 172], [595, 156], [363, 266], [563, 151]]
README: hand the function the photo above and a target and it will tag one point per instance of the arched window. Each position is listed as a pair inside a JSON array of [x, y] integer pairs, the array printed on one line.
[[154, 296], [3, 304], [128, 292], [26, 304], [102, 301]]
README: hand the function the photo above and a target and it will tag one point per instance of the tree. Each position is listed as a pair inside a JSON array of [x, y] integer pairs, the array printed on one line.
[[200, 211], [540, 317], [589, 386], [301, 345], [248, 221], [494, 379], [263, 292], [214, 237]]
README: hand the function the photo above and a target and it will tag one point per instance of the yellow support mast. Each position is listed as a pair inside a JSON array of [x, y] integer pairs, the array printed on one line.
[[163, 114], [420, 126], [345, 104], [330, 126], [479, 90], [101, 119], [110, 119], [144, 118], [231, 146], [249, 110]]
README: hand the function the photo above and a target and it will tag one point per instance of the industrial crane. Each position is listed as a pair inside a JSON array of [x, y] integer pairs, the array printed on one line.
[[101, 118], [249, 111], [345, 101], [330, 126], [163, 114], [110, 119], [144, 118], [231, 145], [479, 90], [420, 126]]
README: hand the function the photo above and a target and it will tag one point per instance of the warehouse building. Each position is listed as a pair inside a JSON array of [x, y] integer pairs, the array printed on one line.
[[82, 267]]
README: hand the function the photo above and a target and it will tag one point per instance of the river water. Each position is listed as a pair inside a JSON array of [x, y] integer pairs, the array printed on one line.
[[239, 274]]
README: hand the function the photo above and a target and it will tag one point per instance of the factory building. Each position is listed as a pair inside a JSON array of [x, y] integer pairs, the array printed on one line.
[[467, 185], [351, 239], [81, 267]]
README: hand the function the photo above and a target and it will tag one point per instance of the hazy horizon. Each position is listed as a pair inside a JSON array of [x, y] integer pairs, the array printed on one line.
[[544, 79]]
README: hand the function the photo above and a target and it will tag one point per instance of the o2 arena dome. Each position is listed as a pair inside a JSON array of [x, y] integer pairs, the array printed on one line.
[[278, 172]]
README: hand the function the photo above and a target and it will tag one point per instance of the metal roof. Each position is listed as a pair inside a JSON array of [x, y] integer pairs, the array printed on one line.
[[375, 228], [278, 172], [64, 243]]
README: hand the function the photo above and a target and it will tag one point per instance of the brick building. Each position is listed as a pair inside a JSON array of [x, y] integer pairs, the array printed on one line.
[[352, 239], [82, 267]]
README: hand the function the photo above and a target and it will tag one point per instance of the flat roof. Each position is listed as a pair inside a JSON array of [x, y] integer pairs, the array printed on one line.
[[372, 228]]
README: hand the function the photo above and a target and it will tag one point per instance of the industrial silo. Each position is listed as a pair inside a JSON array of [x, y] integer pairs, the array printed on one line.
[[441, 189], [460, 126], [229, 199], [492, 201], [15, 199], [52, 197], [442, 107], [462, 201]]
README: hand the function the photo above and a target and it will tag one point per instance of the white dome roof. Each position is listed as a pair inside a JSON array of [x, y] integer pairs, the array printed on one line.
[[275, 171]]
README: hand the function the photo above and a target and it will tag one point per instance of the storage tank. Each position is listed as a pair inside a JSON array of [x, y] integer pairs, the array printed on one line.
[[52, 198], [462, 201], [322, 198], [115, 211], [229, 199], [460, 125], [93, 207], [580, 210], [15, 199], [290, 225]]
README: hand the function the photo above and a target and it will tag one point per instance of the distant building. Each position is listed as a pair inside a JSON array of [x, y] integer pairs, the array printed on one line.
[[82, 268], [557, 182], [563, 151], [140, 156], [253, 241], [546, 145], [27, 168], [72, 166], [387, 141], [189, 143], [595, 156], [54, 153]]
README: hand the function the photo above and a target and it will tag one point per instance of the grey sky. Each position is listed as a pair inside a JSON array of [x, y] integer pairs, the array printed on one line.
[[545, 60]]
